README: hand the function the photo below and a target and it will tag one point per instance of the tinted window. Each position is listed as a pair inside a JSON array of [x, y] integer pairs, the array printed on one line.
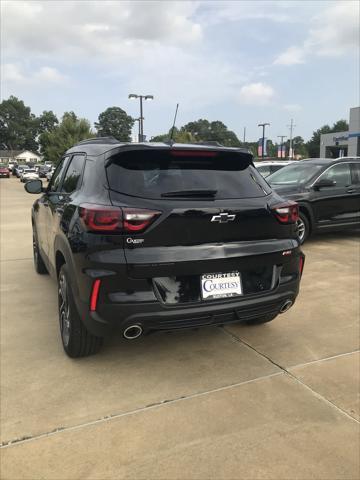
[[294, 174], [73, 174], [57, 175], [151, 174], [355, 172], [339, 173]]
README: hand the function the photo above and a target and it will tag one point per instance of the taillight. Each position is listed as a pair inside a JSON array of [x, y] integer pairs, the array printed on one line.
[[99, 218], [138, 219], [286, 212], [94, 295]]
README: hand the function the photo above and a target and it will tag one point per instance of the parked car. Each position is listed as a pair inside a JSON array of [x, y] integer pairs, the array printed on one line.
[[327, 191], [19, 169], [49, 174], [29, 174], [43, 170], [267, 168], [4, 171], [156, 237], [11, 166]]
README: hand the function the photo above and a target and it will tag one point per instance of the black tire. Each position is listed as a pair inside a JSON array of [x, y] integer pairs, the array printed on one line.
[[39, 264], [260, 320], [76, 339], [303, 227]]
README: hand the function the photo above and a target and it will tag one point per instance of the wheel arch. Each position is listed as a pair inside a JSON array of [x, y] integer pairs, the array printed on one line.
[[307, 211]]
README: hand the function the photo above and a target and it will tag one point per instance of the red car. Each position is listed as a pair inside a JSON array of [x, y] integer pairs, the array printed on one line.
[[4, 171]]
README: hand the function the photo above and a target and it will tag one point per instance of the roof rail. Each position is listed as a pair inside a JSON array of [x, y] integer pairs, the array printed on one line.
[[99, 140]]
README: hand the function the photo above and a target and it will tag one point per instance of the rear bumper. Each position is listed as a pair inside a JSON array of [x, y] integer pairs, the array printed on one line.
[[155, 316]]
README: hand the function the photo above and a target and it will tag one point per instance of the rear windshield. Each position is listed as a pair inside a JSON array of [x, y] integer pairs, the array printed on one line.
[[161, 174]]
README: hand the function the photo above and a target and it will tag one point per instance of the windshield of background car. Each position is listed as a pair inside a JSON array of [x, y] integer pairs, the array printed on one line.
[[155, 173], [294, 174]]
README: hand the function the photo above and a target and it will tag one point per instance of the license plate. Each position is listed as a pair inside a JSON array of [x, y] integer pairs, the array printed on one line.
[[220, 285]]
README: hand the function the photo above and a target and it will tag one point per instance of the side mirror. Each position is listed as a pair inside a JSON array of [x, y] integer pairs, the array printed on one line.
[[324, 183], [34, 186]]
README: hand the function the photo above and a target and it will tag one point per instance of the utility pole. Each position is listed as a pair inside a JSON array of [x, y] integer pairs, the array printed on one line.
[[281, 144], [244, 134], [263, 125], [291, 127]]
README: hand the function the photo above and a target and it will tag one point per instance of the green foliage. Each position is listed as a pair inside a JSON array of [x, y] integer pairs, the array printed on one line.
[[63, 136], [18, 126], [202, 131], [115, 122], [313, 145]]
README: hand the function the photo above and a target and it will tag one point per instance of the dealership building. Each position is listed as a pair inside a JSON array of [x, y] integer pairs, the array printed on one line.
[[343, 144]]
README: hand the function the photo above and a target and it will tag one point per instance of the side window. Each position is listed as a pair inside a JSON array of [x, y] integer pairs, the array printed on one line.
[[355, 167], [73, 174], [340, 173], [57, 175]]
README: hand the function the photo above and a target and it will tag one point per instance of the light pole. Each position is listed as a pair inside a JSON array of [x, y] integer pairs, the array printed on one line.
[[263, 125], [141, 118], [291, 127], [281, 144]]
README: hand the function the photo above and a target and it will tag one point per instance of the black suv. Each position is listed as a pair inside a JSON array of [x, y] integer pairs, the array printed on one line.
[[157, 236], [327, 191]]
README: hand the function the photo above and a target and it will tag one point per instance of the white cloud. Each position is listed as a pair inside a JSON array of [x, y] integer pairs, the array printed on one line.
[[291, 56], [333, 33], [107, 30], [256, 94], [13, 72]]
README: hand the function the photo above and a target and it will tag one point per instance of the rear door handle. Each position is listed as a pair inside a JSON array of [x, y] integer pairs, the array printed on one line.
[[351, 190]]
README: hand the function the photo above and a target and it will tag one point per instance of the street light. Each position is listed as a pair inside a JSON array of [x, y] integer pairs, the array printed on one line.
[[263, 125], [141, 118]]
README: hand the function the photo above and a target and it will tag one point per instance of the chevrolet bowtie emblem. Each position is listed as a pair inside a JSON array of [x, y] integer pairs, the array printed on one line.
[[223, 218]]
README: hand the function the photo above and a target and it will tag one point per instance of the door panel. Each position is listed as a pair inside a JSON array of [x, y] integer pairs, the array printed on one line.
[[338, 204]]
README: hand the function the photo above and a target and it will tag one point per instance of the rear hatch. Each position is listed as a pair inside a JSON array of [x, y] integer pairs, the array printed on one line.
[[211, 208]]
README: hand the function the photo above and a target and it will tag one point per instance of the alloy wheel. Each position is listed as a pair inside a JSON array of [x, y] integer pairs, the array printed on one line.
[[64, 309], [301, 229]]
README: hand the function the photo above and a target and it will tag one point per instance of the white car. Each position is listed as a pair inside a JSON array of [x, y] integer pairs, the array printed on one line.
[[266, 168], [29, 174]]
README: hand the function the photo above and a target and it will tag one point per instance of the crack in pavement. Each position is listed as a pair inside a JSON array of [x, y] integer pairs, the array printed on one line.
[[152, 406], [294, 377]]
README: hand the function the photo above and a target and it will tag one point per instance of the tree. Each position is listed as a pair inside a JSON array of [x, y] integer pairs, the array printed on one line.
[[203, 130], [313, 145], [70, 131], [115, 122], [17, 125], [178, 136], [47, 121]]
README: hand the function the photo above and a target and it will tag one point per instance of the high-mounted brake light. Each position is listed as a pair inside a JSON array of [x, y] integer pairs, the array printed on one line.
[[193, 153], [286, 212], [109, 219], [94, 295]]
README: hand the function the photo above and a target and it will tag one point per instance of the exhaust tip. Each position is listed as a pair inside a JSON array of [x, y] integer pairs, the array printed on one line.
[[285, 306], [132, 332]]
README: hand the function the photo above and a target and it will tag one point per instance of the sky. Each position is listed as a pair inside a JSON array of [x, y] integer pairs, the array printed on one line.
[[240, 62]]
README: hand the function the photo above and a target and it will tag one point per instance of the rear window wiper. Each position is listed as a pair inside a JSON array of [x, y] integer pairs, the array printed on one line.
[[190, 193]]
